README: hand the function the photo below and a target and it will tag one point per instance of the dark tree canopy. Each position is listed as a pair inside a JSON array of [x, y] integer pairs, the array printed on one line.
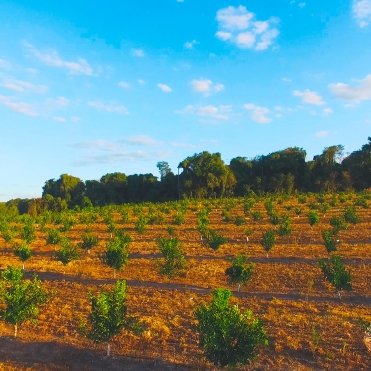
[[206, 175]]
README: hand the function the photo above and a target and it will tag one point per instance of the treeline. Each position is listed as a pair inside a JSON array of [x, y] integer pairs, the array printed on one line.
[[205, 175]]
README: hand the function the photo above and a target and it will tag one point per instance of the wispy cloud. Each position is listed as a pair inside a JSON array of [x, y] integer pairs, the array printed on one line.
[[140, 140], [4, 64], [240, 27], [19, 107], [62, 119], [101, 151], [52, 58], [124, 85], [258, 114], [360, 92], [139, 53], [56, 103], [111, 107], [361, 10], [114, 158], [309, 97], [190, 44], [322, 134], [23, 86], [165, 88], [206, 86], [215, 112]]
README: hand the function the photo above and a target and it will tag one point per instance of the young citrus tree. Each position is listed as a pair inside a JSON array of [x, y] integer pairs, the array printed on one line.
[[108, 314], [330, 240], [240, 271], [335, 272], [23, 252], [67, 252], [313, 218], [268, 240], [116, 254], [227, 336], [21, 298], [173, 261]]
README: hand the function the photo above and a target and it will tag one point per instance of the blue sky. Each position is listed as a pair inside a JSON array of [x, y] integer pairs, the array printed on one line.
[[92, 87]]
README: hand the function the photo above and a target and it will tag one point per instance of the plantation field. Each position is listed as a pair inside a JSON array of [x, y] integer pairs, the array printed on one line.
[[308, 324]]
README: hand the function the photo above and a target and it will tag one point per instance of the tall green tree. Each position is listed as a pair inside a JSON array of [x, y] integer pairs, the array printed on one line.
[[206, 175]]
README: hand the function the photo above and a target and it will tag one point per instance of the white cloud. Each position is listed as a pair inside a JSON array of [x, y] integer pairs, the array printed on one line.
[[51, 58], [206, 86], [73, 119], [124, 85], [216, 112], [117, 158], [59, 118], [190, 44], [301, 4], [4, 64], [309, 97], [165, 88], [362, 12], [111, 107], [328, 111], [59, 102], [322, 133], [22, 86], [141, 140], [240, 27], [139, 53], [19, 107], [360, 92], [141, 82], [182, 145], [258, 113], [103, 151]]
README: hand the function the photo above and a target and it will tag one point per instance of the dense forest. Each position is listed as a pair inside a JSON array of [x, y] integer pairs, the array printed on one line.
[[205, 175]]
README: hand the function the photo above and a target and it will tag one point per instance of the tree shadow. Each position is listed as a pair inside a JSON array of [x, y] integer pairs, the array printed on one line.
[[58, 356]]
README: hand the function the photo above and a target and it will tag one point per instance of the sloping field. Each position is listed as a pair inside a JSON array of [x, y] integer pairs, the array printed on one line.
[[309, 326]]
